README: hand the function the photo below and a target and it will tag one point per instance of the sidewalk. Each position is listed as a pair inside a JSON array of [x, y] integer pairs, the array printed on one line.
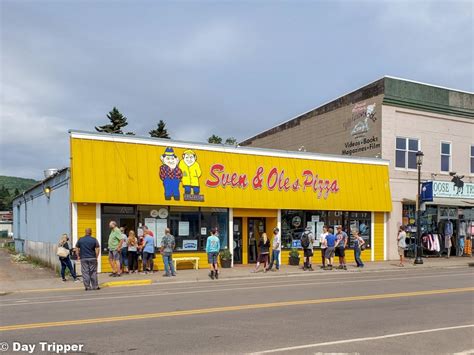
[[25, 278]]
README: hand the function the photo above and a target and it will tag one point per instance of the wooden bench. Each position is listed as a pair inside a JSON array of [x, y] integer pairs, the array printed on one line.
[[194, 260]]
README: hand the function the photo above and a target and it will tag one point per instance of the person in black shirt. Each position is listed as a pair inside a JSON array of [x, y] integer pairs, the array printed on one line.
[[264, 245], [88, 250]]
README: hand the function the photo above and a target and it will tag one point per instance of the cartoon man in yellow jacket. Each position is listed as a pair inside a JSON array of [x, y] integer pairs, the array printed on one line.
[[191, 172]]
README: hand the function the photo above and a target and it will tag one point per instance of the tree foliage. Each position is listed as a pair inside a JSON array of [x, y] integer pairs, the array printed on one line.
[[218, 140], [160, 131], [117, 123], [214, 139], [231, 141]]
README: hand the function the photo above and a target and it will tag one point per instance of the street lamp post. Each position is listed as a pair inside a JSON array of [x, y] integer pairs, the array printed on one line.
[[419, 163]]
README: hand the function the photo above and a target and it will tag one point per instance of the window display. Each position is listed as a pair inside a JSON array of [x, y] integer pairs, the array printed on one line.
[[293, 223], [189, 225]]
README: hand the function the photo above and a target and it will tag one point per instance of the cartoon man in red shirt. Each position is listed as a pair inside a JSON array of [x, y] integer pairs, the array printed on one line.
[[170, 174]]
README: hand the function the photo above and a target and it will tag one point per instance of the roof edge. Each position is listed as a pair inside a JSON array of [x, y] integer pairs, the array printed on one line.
[[224, 148]]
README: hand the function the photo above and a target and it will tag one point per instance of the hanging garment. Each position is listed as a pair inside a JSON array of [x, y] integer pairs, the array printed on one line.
[[460, 249], [436, 243], [468, 247], [462, 229], [447, 241], [448, 228]]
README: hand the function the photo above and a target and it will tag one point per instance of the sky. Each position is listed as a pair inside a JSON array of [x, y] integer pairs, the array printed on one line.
[[231, 68]]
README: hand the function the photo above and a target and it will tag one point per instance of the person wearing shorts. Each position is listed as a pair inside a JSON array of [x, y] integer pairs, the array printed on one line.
[[330, 243], [341, 245], [115, 249], [401, 243], [213, 246]]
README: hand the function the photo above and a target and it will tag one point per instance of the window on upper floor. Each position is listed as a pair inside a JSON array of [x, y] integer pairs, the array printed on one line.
[[472, 159], [445, 157], [405, 153]]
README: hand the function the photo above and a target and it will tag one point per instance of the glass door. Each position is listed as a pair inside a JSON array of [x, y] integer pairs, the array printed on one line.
[[256, 227], [237, 254]]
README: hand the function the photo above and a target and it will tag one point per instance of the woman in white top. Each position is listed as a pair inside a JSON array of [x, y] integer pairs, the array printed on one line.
[[401, 241], [323, 245]]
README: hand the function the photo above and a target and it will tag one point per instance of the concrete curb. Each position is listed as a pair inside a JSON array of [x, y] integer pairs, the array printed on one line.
[[126, 283]]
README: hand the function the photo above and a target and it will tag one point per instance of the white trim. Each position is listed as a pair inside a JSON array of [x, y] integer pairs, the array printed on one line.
[[74, 223], [98, 232], [231, 234], [384, 236], [372, 232], [279, 228], [450, 168], [225, 148]]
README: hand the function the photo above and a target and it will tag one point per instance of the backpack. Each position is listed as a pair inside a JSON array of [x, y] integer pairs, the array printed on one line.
[[305, 240]]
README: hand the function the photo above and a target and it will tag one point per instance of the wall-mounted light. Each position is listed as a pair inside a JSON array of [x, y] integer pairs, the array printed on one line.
[[47, 191]]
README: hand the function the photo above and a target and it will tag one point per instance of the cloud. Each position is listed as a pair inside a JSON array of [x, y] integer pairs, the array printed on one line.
[[213, 43]]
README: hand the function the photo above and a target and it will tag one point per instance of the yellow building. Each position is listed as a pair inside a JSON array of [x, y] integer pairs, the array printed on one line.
[[193, 187]]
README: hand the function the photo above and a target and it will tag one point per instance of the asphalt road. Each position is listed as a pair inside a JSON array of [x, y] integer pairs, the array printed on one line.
[[403, 312]]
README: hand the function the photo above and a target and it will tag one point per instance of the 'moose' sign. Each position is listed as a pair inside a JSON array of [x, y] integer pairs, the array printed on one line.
[[458, 189]]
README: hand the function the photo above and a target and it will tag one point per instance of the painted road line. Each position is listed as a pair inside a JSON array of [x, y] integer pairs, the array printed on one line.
[[355, 340], [231, 309], [162, 293]]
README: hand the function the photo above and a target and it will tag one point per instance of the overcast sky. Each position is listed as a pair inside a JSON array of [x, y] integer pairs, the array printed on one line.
[[232, 68]]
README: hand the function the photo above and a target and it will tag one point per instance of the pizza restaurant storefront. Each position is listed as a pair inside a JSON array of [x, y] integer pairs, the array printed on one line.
[[192, 188]]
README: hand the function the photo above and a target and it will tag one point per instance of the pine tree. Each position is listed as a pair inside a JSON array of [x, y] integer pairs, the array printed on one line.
[[5, 199], [16, 193], [117, 122], [160, 131], [231, 141], [214, 139]]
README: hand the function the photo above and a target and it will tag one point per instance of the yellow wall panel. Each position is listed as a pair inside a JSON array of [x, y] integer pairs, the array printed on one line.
[[379, 236], [86, 219], [129, 173]]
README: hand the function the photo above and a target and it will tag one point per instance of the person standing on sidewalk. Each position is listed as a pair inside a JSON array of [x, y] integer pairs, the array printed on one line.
[[402, 244], [341, 246], [330, 246], [322, 243], [167, 247], [66, 260], [307, 242], [148, 251], [132, 250], [358, 243], [264, 246], [276, 249], [115, 249], [213, 246], [124, 251], [88, 249]]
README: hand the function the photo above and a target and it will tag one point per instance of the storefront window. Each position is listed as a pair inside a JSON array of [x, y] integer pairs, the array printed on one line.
[[190, 225], [294, 222], [214, 218]]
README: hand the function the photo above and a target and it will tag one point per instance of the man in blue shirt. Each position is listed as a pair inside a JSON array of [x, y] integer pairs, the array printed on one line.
[[330, 243], [88, 250], [213, 246]]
